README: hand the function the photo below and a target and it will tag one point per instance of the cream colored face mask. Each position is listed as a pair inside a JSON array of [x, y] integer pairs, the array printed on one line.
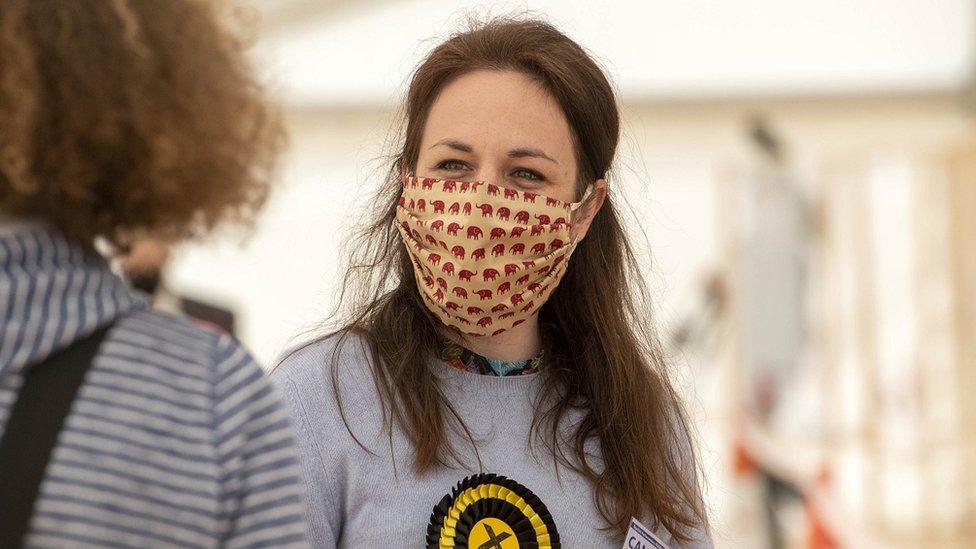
[[485, 257]]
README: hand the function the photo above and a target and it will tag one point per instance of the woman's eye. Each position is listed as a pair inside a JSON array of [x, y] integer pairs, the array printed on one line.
[[451, 165], [523, 173]]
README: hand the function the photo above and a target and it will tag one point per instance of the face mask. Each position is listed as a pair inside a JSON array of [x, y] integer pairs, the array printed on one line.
[[485, 257]]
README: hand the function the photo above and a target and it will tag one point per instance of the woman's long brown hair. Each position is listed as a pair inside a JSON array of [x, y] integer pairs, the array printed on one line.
[[603, 356]]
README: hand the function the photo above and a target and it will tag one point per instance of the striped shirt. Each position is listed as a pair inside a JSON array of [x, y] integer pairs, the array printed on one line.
[[176, 437]]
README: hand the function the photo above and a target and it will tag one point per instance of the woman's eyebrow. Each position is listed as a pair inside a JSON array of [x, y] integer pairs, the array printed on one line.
[[530, 153], [454, 144]]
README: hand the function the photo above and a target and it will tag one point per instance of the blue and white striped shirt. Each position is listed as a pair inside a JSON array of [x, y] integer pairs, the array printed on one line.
[[176, 438]]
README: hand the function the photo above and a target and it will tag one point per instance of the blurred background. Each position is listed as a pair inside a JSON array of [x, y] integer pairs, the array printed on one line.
[[805, 175]]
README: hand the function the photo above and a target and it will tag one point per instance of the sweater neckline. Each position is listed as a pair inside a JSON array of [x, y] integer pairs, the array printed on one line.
[[461, 358]]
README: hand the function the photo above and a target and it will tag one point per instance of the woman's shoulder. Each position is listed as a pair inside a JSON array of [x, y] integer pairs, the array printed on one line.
[[328, 378], [311, 373]]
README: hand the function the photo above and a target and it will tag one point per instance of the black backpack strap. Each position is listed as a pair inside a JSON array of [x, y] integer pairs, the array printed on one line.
[[32, 430]]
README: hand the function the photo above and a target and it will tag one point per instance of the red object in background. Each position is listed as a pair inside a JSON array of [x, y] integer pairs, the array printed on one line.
[[742, 462], [819, 536]]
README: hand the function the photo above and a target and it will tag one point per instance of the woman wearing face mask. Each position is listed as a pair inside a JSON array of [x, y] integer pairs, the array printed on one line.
[[497, 383]]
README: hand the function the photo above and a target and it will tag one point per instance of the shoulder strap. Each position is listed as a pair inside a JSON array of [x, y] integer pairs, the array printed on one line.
[[32, 430]]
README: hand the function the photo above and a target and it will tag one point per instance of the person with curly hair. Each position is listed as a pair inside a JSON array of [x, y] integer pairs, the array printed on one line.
[[121, 425]]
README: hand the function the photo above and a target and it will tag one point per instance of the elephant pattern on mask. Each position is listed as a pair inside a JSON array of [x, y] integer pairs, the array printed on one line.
[[499, 267]]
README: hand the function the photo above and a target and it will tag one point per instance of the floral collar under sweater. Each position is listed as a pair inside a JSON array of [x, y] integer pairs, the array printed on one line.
[[464, 359]]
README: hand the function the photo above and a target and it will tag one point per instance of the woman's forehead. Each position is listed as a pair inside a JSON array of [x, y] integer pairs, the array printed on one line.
[[499, 110]]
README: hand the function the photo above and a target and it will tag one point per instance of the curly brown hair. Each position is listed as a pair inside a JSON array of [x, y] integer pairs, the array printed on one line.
[[130, 117]]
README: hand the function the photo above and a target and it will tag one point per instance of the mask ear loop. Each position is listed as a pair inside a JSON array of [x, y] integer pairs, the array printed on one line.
[[573, 207]]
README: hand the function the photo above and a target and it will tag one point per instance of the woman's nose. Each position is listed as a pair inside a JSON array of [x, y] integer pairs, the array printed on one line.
[[489, 175]]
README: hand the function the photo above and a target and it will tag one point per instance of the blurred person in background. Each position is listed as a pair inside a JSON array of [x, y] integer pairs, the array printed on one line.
[[144, 266], [774, 243], [122, 425], [498, 381]]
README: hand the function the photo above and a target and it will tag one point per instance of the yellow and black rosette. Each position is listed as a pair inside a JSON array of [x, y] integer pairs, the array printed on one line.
[[487, 511]]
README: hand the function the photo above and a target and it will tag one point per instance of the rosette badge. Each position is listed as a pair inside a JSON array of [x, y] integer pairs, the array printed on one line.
[[487, 511]]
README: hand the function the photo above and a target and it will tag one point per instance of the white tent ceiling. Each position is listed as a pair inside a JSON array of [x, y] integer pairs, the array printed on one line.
[[349, 53]]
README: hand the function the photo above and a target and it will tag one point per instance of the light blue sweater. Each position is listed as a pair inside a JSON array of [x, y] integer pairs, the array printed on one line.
[[362, 500]]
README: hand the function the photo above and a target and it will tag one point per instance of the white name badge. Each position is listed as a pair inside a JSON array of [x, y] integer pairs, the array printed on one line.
[[641, 537]]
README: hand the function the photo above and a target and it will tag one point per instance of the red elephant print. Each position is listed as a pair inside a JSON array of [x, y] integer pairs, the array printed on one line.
[[463, 320], [543, 219], [475, 310], [529, 197], [492, 189], [511, 269], [458, 252], [416, 234], [429, 281], [517, 249], [484, 294], [427, 184], [465, 186], [528, 306], [511, 193], [504, 288], [509, 314], [439, 295], [545, 270], [537, 230], [442, 283], [517, 231], [421, 205], [533, 287], [559, 221], [484, 321], [448, 268], [442, 244], [489, 274], [475, 232], [437, 226], [438, 206], [539, 248], [434, 259], [452, 306], [402, 202], [478, 254], [450, 186], [498, 331], [498, 250], [467, 208], [460, 292], [517, 322], [522, 280], [465, 274], [486, 209], [455, 208], [497, 232], [556, 244], [522, 217], [503, 213], [453, 228], [517, 298], [500, 308], [551, 201], [475, 185], [528, 264]]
